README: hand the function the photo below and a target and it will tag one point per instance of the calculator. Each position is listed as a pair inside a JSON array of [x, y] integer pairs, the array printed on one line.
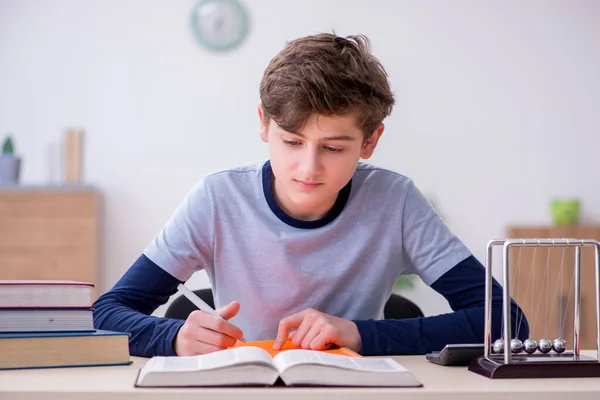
[[456, 354]]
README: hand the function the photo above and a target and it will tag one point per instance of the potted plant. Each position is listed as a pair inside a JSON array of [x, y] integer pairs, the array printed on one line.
[[10, 164]]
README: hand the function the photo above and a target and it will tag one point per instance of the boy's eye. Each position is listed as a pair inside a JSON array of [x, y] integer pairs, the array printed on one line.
[[292, 143], [333, 149]]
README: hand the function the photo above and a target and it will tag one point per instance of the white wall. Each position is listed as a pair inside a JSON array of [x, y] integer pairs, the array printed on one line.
[[497, 103]]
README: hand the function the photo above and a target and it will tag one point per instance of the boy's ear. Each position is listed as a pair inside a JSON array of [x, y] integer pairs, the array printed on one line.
[[369, 146], [264, 134]]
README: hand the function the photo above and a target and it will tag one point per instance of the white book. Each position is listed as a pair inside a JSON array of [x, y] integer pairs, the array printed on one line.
[[253, 366], [46, 319], [45, 293]]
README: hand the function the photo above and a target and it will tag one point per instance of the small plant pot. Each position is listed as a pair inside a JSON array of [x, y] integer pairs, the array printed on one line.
[[565, 211], [10, 167]]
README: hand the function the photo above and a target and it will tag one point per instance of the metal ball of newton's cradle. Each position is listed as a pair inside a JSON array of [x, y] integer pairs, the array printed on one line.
[[544, 345], [516, 346], [530, 346], [559, 345], [498, 346]]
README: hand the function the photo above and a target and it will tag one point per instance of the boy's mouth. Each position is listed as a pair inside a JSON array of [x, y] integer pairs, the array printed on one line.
[[306, 184]]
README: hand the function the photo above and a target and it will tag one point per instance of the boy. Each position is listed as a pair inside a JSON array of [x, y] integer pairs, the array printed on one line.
[[311, 242]]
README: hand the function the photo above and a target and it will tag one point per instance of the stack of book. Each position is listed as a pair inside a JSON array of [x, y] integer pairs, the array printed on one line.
[[50, 324]]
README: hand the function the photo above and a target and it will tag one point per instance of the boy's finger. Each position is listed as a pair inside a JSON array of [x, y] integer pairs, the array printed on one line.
[[229, 311], [301, 332], [205, 320], [212, 338], [285, 326], [313, 332], [196, 347], [320, 342]]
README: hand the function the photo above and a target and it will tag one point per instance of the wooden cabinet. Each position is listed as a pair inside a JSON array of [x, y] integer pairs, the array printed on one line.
[[49, 233], [545, 290]]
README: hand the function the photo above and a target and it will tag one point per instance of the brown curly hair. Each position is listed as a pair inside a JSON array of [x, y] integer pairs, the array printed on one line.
[[328, 75]]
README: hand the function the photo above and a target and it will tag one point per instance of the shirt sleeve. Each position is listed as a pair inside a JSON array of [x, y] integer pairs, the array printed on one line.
[[185, 244], [128, 305], [464, 288], [182, 247], [429, 247]]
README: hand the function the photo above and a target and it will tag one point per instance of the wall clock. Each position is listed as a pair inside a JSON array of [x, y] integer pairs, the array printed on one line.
[[219, 25]]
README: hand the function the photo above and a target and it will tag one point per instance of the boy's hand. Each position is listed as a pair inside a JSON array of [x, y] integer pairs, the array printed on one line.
[[317, 331], [204, 333]]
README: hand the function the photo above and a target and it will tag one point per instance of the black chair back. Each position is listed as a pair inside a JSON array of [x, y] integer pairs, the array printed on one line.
[[397, 307]]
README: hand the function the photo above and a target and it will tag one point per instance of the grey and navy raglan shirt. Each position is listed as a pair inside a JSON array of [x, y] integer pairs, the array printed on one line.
[[344, 264]]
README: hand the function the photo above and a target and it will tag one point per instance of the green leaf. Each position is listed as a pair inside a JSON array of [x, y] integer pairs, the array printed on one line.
[[8, 146], [404, 282]]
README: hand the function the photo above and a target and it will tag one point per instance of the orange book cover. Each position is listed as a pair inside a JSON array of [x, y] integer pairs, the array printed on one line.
[[288, 345]]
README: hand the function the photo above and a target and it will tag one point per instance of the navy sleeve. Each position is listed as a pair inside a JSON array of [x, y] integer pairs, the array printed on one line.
[[464, 288], [128, 305]]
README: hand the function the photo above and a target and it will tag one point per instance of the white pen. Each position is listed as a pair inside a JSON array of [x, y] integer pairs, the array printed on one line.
[[198, 302]]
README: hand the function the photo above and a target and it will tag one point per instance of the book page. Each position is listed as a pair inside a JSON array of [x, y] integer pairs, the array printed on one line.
[[218, 359], [291, 358]]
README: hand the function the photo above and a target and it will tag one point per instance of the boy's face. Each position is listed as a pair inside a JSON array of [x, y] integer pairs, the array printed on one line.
[[311, 166]]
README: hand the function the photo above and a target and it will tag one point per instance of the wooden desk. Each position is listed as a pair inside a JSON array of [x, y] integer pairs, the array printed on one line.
[[116, 383]]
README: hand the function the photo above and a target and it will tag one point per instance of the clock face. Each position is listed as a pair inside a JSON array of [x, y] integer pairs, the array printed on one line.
[[219, 24]]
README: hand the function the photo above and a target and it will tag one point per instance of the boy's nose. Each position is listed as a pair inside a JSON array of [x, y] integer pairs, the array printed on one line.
[[310, 165]]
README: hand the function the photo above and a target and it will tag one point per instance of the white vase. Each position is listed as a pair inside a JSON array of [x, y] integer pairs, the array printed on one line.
[[9, 169]]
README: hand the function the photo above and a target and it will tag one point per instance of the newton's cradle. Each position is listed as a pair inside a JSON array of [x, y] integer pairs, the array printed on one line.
[[543, 357]]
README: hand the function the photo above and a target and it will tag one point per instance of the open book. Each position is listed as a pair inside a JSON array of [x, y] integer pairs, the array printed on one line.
[[254, 366]]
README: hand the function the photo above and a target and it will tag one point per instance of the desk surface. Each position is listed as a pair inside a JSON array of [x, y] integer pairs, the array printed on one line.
[[116, 383]]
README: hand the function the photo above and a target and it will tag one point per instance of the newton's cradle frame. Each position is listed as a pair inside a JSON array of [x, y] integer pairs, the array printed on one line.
[[551, 359]]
